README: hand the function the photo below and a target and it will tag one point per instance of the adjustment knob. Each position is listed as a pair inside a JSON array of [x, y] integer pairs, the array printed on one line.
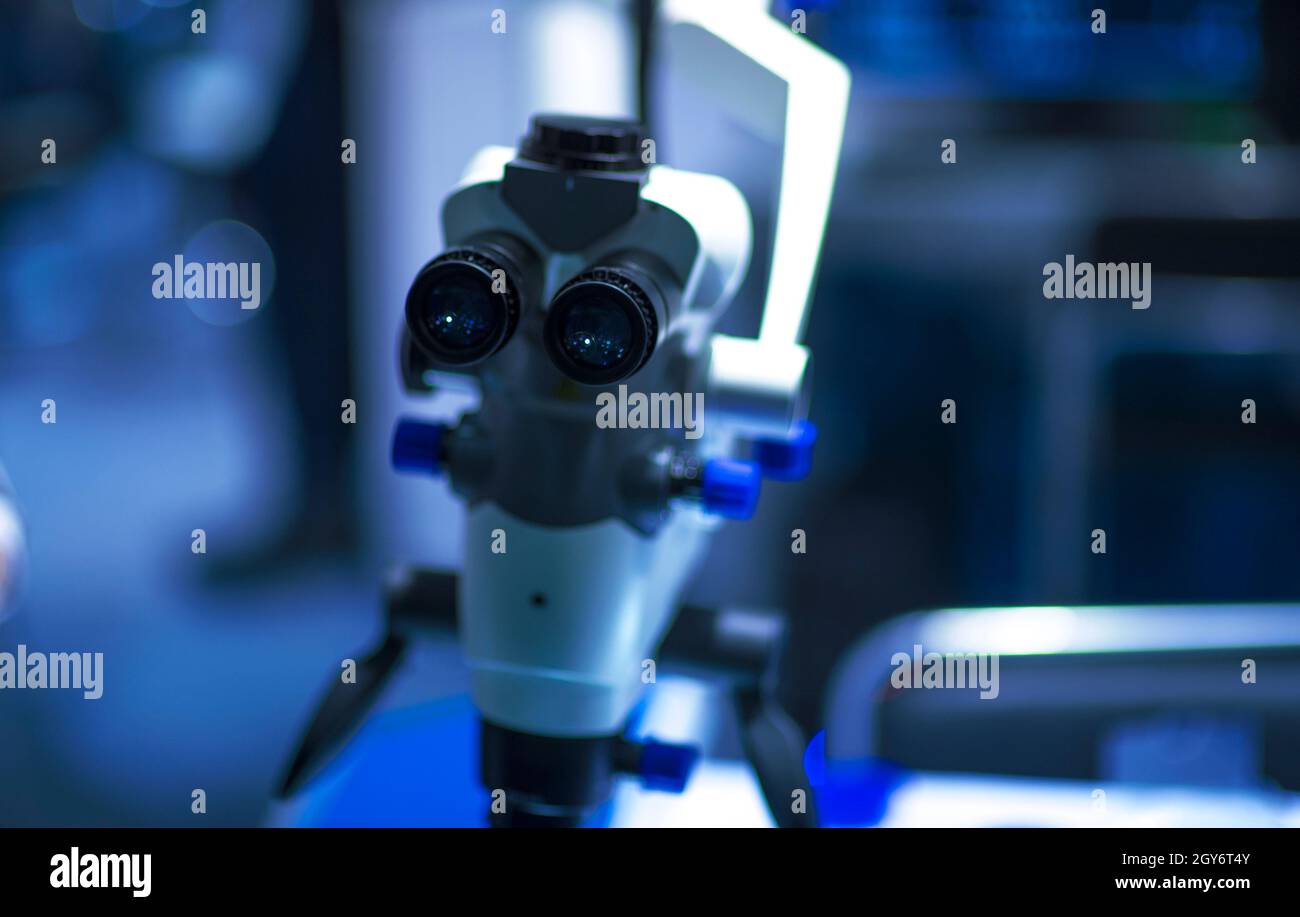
[[578, 142], [417, 446], [729, 488], [787, 459], [665, 767]]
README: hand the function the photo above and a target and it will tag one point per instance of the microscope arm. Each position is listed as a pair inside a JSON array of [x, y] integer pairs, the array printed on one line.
[[794, 93]]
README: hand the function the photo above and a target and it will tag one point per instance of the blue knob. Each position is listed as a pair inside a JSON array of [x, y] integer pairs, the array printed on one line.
[[730, 488], [667, 767], [787, 459], [417, 446]]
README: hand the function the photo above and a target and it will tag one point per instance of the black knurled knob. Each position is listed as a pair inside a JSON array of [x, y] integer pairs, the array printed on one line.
[[579, 142]]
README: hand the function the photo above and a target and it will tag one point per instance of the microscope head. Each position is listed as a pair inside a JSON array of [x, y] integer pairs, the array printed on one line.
[[578, 275], [580, 288], [602, 256]]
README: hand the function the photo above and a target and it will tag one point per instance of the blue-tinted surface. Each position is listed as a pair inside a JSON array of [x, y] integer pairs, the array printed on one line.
[[416, 767], [409, 768]]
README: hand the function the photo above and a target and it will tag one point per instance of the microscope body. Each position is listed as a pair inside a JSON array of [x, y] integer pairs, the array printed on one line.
[[576, 551], [578, 276]]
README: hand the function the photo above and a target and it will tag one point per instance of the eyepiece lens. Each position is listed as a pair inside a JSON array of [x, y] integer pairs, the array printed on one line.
[[597, 333], [604, 323], [455, 310], [461, 313]]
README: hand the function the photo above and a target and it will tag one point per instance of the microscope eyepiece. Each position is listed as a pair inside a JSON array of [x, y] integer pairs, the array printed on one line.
[[464, 305], [603, 324]]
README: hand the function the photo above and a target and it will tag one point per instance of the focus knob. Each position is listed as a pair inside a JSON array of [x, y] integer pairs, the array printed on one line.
[[730, 488], [417, 446], [787, 459], [578, 142]]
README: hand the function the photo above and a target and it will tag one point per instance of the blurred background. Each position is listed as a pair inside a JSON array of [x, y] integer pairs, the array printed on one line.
[[1072, 415]]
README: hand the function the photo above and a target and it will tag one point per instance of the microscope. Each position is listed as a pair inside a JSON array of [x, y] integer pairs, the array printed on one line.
[[580, 274], [576, 270]]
